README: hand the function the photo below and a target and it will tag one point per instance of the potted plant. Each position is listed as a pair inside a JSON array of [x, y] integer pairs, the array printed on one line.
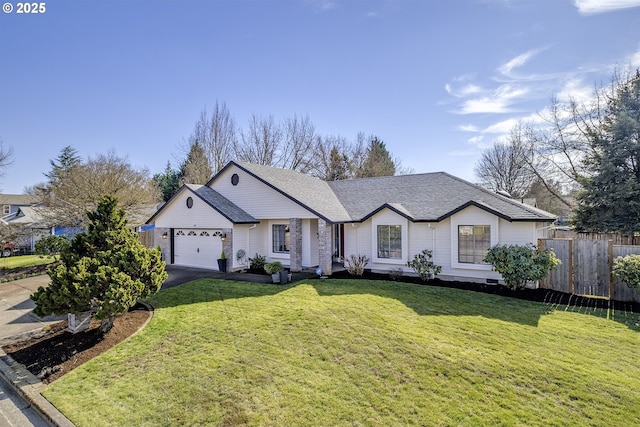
[[222, 262], [274, 268]]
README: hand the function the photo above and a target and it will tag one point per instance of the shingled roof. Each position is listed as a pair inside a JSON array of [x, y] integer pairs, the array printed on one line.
[[312, 193], [428, 197], [224, 206]]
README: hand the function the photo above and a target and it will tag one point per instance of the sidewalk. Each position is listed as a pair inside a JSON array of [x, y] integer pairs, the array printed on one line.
[[20, 401], [15, 411], [16, 316]]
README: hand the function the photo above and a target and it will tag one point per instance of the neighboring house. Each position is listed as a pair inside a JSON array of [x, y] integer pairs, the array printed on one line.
[[306, 222], [26, 222], [10, 203], [27, 227]]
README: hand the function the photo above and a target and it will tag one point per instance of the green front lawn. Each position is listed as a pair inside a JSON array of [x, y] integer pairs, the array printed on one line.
[[359, 353], [20, 261]]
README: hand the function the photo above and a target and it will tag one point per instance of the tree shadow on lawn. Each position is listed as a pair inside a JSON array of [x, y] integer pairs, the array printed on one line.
[[434, 298], [477, 299], [211, 290], [424, 300]]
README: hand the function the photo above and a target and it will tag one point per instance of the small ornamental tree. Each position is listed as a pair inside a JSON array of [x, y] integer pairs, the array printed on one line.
[[423, 265], [627, 270], [103, 270], [51, 246], [519, 264]]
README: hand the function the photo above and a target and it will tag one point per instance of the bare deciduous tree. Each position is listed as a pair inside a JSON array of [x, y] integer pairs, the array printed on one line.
[[260, 142], [81, 188], [297, 150], [505, 166], [6, 158]]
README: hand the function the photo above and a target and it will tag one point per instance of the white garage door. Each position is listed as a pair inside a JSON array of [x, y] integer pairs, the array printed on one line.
[[197, 248]]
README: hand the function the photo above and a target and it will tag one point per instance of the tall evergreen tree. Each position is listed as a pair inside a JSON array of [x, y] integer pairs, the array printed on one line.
[[338, 166], [197, 169], [378, 161], [610, 199], [63, 165], [168, 182], [103, 270]]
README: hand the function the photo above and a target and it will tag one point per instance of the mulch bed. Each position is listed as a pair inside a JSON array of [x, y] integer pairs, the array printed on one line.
[[58, 351]]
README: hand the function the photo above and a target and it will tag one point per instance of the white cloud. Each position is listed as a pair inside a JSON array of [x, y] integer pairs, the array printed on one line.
[[476, 140], [498, 102], [575, 89], [634, 60], [501, 127], [469, 128], [325, 4], [518, 61], [467, 90], [591, 7]]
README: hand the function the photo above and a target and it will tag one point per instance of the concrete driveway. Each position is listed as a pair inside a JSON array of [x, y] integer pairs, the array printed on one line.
[[16, 308]]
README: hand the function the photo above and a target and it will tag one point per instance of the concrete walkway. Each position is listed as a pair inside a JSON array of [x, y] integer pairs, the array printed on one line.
[[16, 309], [16, 411], [21, 403]]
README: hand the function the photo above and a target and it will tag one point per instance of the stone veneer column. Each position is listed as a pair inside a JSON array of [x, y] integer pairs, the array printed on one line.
[[324, 247], [295, 251], [165, 244], [227, 247]]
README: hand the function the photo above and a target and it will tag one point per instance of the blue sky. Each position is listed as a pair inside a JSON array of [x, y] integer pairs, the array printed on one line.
[[438, 81]]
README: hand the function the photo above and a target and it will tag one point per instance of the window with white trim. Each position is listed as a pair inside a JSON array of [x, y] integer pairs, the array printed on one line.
[[473, 243], [390, 241], [6, 209], [281, 238]]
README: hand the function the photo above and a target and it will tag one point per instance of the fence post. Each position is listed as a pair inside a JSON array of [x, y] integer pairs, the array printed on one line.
[[612, 288], [571, 278]]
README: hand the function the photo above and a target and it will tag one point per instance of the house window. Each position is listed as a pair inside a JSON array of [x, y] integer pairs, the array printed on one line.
[[390, 241], [281, 238], [6, 209], [473, 243]]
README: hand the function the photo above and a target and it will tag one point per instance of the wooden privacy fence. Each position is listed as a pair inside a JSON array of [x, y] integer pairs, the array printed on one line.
[[617, 238], [146, 237], [586, 268]]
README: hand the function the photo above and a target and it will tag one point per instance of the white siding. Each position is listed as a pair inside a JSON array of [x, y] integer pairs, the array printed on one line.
[[240, 241], [421, 236], [517, 233], [256, 241], [310, 243], [201, 215], [357, 239], [257, 198]]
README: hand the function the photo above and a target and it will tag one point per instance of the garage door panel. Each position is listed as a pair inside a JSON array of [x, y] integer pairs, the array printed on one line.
[[197, 248]]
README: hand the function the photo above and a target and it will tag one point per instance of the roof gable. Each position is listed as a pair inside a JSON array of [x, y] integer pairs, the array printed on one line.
[[215, 200], [313, 194]]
